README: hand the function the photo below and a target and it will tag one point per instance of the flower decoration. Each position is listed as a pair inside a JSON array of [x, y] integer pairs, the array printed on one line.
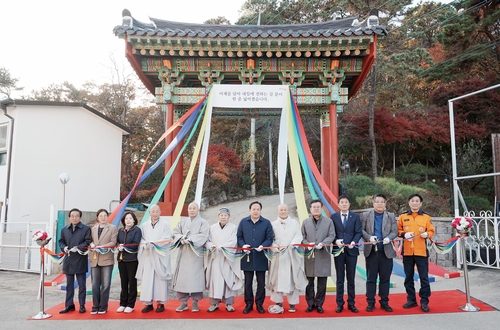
[[41, 237], [463, 225]]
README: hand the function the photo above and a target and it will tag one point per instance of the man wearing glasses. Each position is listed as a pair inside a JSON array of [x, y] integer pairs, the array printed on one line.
[[379, 228], [318, 232]]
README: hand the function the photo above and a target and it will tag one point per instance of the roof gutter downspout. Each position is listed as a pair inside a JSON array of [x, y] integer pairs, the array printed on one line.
[[4, 104]]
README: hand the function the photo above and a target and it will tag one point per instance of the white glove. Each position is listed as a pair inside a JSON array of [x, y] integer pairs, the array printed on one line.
[[92, 245], [409, 236], [120, 247], [73, 249], [260, 248], [319, 246], [184, 241], [149, 245], [386, 240], [373, 240], [310, 247], [66, 249], [424, 235], [352, 245], [339, 242], [246, 246], [281, 249]]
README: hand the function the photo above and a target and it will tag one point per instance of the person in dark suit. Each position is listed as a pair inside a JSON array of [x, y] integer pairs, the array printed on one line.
[[255, 232], [349, 230], [74, 237], [379, 228]]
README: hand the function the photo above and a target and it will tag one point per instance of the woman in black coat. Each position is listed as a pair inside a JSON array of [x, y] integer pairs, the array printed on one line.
[[129, 237]]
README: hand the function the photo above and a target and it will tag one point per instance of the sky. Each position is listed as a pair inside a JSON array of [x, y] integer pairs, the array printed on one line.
[[47, 42], [44, 42]]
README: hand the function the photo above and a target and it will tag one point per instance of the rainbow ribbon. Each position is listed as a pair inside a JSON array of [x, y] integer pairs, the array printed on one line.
[[159, 249], [103, 250], [54, 256], [269, 255], [161, 188], [117, 214], [310, 164], [231, 255], [199, 251], [337, 251], [175, 245], [445, 247], [227, 254], [197, 149], [128, 250]]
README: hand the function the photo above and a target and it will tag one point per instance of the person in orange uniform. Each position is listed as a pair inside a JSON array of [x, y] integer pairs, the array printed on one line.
[[415, 227]]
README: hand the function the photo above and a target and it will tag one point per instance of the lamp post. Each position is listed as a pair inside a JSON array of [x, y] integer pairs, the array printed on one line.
[[64, 178], [345, 168], [448, 180]]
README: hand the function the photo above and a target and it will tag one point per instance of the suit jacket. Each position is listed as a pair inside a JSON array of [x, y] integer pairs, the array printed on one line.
[[321, 232], [75, 263], [108, 238], [389, 230], [351, 232], [255, 234]]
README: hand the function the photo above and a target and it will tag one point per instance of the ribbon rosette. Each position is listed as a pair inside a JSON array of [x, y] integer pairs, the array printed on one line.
[[41, 237], [463, 225]]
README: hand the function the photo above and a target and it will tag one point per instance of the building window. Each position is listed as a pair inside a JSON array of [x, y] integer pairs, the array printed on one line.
[[3, 144]]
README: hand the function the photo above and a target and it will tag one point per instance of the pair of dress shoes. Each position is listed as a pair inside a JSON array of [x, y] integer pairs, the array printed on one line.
[[385, 307], [411, 304], [320, 309], [72, 308], [249, 308], [352, 308]]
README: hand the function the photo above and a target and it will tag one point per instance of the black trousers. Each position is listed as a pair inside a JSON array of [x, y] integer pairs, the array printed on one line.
[[70, 289], [319, 298], [260, 294], [378, 265], [422, 263], [345, 264], [128, 295]]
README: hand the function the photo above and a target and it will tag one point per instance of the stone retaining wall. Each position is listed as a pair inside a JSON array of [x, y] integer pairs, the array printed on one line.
[[443, 232]]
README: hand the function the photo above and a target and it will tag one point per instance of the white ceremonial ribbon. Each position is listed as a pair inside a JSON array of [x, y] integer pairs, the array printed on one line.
[[283, 150]]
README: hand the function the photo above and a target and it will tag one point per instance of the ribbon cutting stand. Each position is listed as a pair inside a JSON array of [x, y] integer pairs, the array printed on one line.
[[468, 307], [41, 292]]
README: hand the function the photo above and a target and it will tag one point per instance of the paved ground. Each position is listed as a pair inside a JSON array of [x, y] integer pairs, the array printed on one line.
[[18, 300]]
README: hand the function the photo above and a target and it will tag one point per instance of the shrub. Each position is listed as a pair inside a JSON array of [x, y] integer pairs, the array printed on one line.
[[414, 173], [476, 204]]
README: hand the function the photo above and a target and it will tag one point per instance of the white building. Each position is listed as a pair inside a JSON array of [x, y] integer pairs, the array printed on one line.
[[41, 140]]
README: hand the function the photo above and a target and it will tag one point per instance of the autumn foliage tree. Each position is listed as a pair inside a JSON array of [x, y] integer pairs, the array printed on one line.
[[222, 172]]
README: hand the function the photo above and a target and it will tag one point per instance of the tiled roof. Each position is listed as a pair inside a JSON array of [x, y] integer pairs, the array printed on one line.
[[344, 27]]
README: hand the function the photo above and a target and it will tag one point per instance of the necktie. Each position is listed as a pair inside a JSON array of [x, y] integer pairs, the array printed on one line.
[[344, 219]]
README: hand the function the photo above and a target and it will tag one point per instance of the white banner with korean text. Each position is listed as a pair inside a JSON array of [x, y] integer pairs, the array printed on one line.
[[249, 96], [244, 97]]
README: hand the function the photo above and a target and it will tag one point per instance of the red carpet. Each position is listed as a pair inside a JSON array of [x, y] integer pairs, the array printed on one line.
[[440, 302]]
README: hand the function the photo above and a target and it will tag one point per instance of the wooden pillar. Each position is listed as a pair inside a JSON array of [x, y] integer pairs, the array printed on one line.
[[167, 206], [334, 150]]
